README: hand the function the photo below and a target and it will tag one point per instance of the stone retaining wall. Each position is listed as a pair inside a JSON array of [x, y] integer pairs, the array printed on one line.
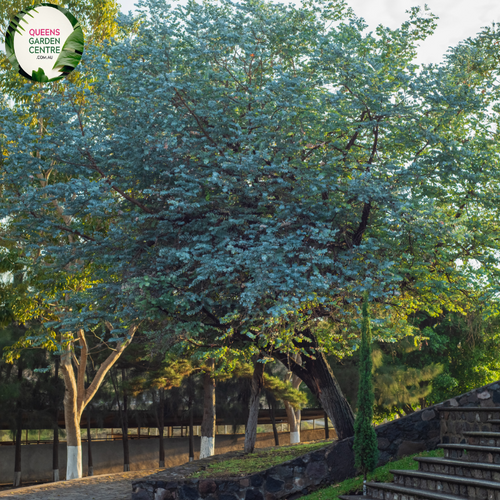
[[413, 433], [454, 421]]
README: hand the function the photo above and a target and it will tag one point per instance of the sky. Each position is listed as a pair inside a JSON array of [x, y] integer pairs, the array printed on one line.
[[458, 19]]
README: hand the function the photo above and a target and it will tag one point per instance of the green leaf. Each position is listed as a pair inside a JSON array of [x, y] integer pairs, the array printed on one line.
[[69, 56], [39, 76], [75, 41], [9, 49]]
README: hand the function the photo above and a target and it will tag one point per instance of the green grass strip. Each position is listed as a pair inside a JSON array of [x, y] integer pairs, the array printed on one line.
[[260, 460], [382, 474]]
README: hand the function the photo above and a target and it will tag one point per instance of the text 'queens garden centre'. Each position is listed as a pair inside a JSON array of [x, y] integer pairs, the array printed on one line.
[[45, 45]]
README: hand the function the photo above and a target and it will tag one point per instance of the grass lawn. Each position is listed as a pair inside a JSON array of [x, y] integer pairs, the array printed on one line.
[[381, 474], [260, 460]]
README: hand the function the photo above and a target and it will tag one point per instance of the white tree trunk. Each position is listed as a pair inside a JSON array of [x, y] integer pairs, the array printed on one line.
[[74, 462], [295, 437], [71, 419], [293, 416], [253, 414], [76, 396], [207, 446]]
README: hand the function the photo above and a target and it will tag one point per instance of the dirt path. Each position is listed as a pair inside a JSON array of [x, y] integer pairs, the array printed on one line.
[[105, 487]]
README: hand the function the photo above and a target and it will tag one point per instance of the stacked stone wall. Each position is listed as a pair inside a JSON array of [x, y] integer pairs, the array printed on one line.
[[422, 430], [454, 421]]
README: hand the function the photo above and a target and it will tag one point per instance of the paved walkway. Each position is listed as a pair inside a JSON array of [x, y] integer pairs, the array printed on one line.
[[106, 487]]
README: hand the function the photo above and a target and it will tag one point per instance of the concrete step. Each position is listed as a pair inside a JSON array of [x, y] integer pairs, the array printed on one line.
[[471, 453], [388, 491], [465, 409], [455, 420], [471, 414], [447, 483], [494, 423], [493, 434], [489, 472], [453, 432], [354, 497], [486, 438]]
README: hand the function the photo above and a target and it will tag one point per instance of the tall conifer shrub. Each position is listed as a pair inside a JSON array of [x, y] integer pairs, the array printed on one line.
[[365, 438]]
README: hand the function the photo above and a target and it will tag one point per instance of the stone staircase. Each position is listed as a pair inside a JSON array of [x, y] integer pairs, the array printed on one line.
[[470, 468]]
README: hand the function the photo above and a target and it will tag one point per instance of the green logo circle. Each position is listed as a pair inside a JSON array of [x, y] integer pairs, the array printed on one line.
[[44, 43]]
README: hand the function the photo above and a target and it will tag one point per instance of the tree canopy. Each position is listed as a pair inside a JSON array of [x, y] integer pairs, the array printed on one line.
[[254, 165], [228, 173]]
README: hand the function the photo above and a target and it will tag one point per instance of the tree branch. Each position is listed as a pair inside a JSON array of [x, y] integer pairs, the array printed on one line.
[[202, 128], [358, 235], [63, 228], [108, 363], [81, 369], [70, 394], [290, 363], [115, 188]]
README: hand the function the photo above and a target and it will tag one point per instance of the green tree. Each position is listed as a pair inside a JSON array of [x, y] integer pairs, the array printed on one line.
[[465, 345], [272, 162], [158, 377], [365, 439], [46, 301], [400, 387]]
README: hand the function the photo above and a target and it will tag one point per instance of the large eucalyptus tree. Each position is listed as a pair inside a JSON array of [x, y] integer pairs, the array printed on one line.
[[247, 169]]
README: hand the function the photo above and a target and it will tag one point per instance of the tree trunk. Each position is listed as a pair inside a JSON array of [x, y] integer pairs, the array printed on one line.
[[89, 446], [77, 396], [161, 427], [272, 416], [73, 437], [123, 411], [327, 429], [17, 456], [191, 437], [408, 409], [72, 416], [330, 395], [55, 440], [207, 448], [318, 376], [293, 415], [19, 429], [55, 448], [126, 452], [253, 414], [293, 418]]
